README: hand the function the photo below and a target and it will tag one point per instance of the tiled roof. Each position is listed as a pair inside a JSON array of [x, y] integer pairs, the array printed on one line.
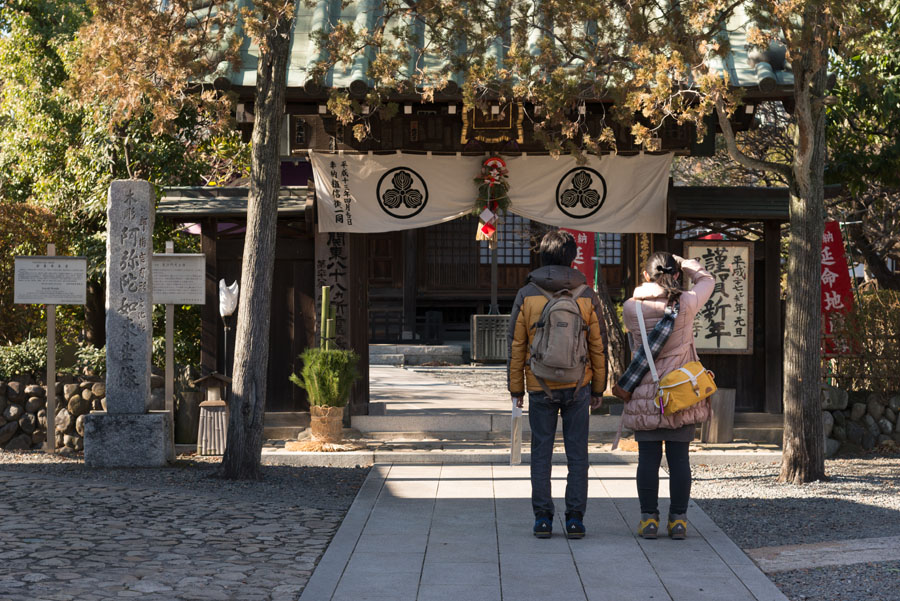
[[763, 73]]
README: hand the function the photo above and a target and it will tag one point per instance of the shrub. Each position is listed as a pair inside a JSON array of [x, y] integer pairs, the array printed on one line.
[[26, 358], [91, 360], [871, 332], [327, 376]]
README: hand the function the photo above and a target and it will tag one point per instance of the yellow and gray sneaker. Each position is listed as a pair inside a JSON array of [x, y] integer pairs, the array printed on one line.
[[649, 526], [677, 526]]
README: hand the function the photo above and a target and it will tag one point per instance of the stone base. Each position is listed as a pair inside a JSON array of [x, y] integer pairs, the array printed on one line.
[[127, 440]]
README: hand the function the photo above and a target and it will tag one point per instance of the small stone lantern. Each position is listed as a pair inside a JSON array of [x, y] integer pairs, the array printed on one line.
[[211, 439]]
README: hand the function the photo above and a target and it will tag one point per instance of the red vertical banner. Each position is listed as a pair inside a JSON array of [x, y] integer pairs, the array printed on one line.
[[584, 260], [837, 293]]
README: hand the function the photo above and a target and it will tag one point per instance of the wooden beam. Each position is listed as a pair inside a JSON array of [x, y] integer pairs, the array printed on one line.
[[774, 333], [209, 335]]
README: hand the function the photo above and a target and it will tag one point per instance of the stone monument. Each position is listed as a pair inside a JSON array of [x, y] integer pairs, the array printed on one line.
[[126, 434]]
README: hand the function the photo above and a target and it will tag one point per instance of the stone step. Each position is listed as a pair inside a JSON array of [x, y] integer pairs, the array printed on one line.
[[483, 426], [387, 359], [415, 349], [763, 420], [285, 425], [759, 435], [721, 454]]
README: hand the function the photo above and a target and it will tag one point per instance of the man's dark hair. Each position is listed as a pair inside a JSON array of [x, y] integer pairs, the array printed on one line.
[[558, 248]]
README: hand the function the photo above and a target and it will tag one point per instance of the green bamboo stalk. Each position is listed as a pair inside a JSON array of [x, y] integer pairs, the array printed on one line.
[[326, 305], [329, 334]]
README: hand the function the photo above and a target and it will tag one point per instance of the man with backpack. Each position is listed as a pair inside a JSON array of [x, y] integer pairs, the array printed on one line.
[[557, 352]]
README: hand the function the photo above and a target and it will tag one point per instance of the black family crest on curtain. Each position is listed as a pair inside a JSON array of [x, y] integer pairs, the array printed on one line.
[[402, 193], [580, 192]]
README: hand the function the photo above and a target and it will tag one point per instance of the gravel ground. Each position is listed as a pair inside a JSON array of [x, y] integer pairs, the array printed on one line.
[[308, 487], [166, 534], [861, 500], [489, 379]]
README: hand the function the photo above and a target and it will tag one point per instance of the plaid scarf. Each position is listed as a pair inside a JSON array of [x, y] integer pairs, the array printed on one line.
[[656, 339]]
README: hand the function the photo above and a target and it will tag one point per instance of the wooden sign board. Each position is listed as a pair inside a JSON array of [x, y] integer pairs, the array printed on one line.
[[724, 324], [179, 279], [50, 280]]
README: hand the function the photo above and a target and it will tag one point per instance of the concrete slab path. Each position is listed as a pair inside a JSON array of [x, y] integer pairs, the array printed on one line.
[[463, 533]]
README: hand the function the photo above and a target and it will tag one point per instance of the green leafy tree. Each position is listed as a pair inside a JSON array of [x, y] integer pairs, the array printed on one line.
[[61, 146], [864, 147]]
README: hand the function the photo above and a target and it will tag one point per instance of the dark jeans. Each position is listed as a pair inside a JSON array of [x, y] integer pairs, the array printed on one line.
[[542, 416], [649, 458]]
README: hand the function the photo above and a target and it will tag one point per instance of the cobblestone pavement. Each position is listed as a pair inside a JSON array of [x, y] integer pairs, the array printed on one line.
[[86, 535]]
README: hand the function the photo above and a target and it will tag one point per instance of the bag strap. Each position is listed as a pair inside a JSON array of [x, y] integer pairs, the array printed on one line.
[[647, 353]]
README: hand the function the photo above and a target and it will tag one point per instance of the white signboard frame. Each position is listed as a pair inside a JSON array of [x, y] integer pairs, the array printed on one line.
[[179, 279], [731, 265], [50, 280]]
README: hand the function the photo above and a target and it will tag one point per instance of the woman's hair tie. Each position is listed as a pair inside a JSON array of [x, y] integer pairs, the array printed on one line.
[[665, 269]]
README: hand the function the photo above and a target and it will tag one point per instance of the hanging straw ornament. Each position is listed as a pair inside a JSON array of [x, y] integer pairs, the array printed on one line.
[[493, 197]]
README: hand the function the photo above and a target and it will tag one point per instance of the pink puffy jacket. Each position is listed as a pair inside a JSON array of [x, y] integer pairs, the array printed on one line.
[[640, 412]]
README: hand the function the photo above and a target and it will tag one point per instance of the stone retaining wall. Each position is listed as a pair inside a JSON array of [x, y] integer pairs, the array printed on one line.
[[23, 410], [857, 421]]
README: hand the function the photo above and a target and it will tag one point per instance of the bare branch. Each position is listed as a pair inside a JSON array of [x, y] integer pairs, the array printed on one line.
[[738, 155]]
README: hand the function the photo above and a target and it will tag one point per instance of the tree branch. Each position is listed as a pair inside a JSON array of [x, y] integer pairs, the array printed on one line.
[[740, 157]]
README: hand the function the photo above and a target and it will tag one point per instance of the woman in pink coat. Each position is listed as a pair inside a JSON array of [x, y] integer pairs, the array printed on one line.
[[664, 274]]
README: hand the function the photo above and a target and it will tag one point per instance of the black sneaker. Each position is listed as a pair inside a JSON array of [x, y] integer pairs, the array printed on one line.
[[543, 526], [574, 525]]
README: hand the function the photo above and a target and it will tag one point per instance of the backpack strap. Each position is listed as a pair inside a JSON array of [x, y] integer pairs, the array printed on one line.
[[647, 353]]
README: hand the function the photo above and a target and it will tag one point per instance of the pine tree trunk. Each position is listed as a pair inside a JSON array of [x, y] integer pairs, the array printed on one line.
[[251, 357], [875, 262], [803, 459], [95, 314], [617, 346]]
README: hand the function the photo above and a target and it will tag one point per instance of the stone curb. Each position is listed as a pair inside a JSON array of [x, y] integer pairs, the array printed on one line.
[[370, 458]]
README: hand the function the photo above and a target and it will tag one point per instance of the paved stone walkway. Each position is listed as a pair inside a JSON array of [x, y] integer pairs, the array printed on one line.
[[463, 533], [62, 539]]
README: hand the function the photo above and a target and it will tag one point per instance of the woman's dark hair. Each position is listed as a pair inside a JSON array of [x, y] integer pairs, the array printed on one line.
[[663, 269], [558, 248]]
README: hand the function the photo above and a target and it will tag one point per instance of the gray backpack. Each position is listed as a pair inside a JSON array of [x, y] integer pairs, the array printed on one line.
[[559, 348]]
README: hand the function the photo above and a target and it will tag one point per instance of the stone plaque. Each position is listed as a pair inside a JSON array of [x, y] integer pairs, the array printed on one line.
[[128, 304], [179, 279], [50, 280]]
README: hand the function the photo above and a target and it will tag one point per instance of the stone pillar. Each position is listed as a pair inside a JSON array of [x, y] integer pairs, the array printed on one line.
[[126, 435]]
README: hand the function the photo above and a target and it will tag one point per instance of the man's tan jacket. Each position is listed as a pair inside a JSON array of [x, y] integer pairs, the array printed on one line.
[[527, 311]]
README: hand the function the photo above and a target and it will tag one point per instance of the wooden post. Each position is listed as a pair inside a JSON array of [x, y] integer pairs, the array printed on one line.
[[408, 329], [773, 330], [720, 427], [495, 307], [170, 359], [209, 336], [50, 443]]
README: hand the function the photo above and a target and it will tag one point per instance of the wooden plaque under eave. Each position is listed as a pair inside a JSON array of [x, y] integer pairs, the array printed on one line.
[[709, 253]]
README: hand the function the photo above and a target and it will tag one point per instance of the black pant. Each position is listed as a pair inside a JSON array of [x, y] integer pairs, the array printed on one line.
[[649, 457]]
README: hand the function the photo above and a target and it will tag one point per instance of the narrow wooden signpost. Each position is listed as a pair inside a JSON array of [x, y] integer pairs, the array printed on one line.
[[50, 281], [178, 279]]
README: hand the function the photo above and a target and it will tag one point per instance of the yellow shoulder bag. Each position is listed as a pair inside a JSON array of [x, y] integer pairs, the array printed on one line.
[[680, 388]]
